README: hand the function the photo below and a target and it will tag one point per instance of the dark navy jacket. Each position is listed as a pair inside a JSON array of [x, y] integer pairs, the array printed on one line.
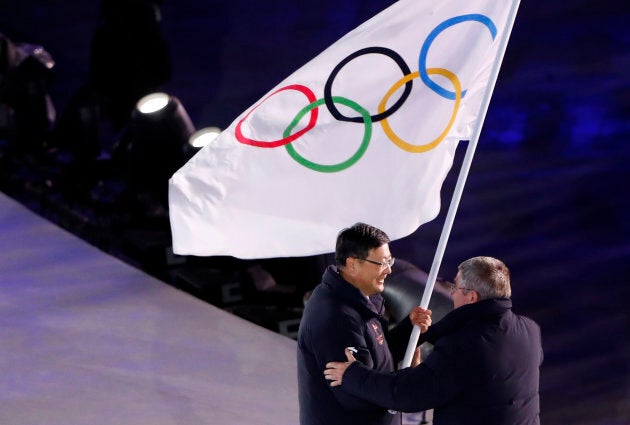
[[484, 369], [336, 316]]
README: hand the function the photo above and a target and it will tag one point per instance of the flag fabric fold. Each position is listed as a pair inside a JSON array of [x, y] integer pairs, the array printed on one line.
[[365, 131]]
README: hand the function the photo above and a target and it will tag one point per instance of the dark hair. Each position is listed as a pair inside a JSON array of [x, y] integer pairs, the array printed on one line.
[[357, 241]]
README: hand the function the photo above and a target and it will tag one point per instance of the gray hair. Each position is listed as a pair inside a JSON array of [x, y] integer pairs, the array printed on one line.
[[487, 276]]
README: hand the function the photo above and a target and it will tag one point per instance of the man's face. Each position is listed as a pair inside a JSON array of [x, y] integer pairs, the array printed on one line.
[[368, 277], [462, 296]]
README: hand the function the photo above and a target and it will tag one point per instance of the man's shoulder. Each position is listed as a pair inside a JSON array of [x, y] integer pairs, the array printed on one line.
[[322, 295], [328, 309], [528, 323]]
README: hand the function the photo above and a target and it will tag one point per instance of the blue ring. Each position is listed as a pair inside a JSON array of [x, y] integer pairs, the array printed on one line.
[[422, 61]]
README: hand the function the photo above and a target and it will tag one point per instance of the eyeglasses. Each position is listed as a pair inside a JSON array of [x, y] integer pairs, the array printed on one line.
[[452, 288], [384, 264]]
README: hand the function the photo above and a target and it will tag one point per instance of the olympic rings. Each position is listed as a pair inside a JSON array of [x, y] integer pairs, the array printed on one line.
[[382, 111], [422, 60], [384, 114], [287, 139], [426, 147], [367, 135]]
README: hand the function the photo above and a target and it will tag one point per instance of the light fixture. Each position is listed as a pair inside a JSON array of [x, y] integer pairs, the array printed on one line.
[[153, 145], [153, 103], [129, 56], [201, 138], [26, 74]]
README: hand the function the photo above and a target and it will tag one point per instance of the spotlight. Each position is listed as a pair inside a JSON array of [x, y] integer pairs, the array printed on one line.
[[201, 138], [153, 145], [153, 103]]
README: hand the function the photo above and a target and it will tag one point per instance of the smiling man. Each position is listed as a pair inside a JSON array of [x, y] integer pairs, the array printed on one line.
[[346, 310]]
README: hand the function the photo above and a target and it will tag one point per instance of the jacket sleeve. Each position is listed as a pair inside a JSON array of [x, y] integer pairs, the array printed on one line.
[[424, 387]]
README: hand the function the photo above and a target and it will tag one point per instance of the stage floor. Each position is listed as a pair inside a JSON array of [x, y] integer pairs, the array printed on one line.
[[86, 339]]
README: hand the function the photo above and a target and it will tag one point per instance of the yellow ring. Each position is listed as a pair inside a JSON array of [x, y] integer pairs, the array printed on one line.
[[428, 146]]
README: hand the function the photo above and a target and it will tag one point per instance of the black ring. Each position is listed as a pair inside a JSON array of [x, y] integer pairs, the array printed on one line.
[[381, 50]]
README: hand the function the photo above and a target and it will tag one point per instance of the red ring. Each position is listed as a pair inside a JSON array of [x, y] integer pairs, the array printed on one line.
[[286, 140]]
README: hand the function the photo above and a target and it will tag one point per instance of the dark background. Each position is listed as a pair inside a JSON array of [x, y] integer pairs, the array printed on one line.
[[547, 191]]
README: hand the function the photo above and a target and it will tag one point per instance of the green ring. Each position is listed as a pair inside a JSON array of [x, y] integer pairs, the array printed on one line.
[[333, 168]]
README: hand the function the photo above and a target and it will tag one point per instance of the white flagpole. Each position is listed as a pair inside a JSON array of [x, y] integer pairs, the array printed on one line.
[[461, 181]]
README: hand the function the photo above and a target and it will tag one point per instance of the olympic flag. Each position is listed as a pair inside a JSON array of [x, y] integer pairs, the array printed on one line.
[[365, 131]]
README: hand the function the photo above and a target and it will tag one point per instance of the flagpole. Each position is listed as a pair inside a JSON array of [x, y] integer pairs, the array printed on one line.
[[461, 181]]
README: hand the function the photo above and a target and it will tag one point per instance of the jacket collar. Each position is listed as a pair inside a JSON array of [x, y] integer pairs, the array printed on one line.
[[344, 289], [467, 314]]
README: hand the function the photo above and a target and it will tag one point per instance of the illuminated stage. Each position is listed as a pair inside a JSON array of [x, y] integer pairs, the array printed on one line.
[[87, 339]]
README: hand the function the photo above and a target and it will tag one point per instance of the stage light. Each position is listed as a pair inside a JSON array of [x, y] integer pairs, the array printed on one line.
[[26, 74], [153, 145], [201, 138], [129, 56], [153, 103]]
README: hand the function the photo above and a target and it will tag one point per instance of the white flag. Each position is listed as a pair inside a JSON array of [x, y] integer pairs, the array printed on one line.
[[366, 131]]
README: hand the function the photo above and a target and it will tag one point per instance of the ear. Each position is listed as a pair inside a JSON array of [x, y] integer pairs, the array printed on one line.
[[474, 296], [351, 265]]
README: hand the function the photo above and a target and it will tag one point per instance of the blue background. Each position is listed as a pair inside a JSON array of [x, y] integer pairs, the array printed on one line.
[[548, 189]]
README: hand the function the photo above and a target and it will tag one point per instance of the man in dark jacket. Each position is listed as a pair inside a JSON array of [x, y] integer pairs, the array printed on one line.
[[484, 367], [346, 309]]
